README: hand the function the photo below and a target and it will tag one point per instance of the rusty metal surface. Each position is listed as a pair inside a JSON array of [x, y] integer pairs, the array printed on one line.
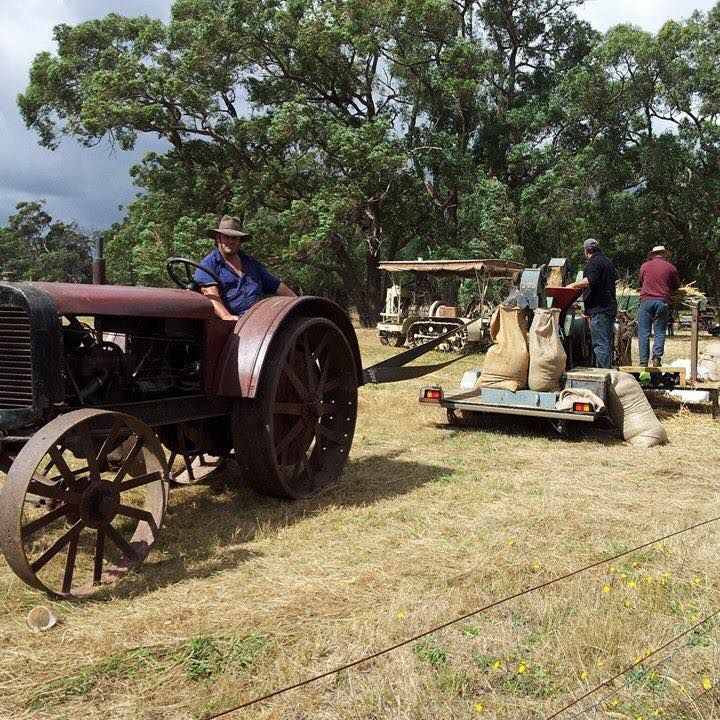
[[243, 357], [85, 500], [78, 299], [294, 438]]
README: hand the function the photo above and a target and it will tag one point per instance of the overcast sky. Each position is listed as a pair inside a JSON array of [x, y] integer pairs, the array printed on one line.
[[89, 185]]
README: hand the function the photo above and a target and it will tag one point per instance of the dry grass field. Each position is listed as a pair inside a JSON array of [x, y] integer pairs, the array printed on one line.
[[245, 594]]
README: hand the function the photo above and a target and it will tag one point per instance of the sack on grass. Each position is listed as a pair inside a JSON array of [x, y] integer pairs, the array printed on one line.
[[710, 360], [506, 362], [547, 354], [631, 412]]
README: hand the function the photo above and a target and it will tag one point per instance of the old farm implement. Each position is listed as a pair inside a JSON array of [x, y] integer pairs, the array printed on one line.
[[412, 316], [95, 379]]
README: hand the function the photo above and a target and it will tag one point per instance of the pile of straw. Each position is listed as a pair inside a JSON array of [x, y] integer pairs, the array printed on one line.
[[688, 295]]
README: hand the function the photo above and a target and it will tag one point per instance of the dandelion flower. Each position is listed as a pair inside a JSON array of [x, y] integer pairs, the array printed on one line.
[[401, 615], [497, 664], [628, 603], [479, 707], [612, 568], [521, 668], [698, 581], [707, 683], [606, 589], [536, 566], [584, 675], [693, 618], [600, 663], [631, 583]]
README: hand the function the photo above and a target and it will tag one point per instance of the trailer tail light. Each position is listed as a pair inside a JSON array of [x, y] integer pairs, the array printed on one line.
[[431, 395], [582, 407]]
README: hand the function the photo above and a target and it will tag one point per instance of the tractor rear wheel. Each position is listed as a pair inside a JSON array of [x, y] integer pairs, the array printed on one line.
[[294, 437]]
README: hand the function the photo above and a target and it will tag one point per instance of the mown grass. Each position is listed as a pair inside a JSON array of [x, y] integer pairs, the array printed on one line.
[[245, 594]]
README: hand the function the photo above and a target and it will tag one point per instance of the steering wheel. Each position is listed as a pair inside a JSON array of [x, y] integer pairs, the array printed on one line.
[[188, 267]]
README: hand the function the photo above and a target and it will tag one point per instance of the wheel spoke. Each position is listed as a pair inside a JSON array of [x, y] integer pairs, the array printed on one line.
[[57, 546], [99, 554], [294, 379], [309, 363], [286, 408], [330, 434], [70, 563], [140, 480], [121, 542], [89, 449], [322, 387], [124, 468], [297, 428], [41, 522], [139, 514], [321, 345], [54, 492], [57, 457], [109, 445]]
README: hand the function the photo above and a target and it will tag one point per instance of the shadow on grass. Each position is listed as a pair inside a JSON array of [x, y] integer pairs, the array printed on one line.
[[206, 527], [602, 432]]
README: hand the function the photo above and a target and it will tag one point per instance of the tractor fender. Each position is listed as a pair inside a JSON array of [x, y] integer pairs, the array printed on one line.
[[240, 366]]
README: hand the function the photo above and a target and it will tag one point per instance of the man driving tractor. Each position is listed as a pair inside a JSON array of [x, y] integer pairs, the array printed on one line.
[[244, 279]]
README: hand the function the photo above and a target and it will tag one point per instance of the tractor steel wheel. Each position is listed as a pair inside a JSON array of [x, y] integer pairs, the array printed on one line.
[[72, 520], [294, 437]]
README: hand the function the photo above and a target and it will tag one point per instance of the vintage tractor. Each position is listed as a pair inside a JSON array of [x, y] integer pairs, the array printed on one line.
[[94, 379]]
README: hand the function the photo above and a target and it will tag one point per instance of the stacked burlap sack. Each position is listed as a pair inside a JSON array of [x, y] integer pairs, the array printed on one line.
[[519, 359]]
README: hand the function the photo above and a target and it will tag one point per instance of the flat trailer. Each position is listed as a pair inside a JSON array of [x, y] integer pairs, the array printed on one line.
[[467, 401]]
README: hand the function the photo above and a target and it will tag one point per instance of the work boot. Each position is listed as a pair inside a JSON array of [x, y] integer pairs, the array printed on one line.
[[656, 361]]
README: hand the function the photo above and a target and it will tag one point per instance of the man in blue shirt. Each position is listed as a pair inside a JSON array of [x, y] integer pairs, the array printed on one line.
[[245, 280]]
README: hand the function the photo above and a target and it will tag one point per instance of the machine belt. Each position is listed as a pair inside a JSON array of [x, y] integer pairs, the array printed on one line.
[[393, 370]]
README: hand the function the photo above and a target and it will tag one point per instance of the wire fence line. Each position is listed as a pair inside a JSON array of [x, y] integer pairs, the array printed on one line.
[[638, 663], [465, 616]]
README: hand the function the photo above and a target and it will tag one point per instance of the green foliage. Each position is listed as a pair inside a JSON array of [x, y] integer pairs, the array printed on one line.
[[34, 247], [430, 652], [346, 133]]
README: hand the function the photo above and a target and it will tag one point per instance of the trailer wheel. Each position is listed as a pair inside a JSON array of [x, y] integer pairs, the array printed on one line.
[[294, 437], [70, 520]]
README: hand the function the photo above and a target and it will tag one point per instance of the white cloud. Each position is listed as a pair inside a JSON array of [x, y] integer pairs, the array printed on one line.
[[648, 14]]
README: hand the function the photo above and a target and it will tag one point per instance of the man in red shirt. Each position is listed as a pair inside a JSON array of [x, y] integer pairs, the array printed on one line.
[[659, 279]]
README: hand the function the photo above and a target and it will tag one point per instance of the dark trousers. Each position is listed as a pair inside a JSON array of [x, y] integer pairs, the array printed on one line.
[[652, 315], [602, 330]]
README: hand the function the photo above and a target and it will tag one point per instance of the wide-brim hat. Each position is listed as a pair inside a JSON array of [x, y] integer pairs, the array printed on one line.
[[231, 226], [658, 249]]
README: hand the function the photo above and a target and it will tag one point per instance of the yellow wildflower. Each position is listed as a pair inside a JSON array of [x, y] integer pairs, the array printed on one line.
[[600, 663], [521, 668], [631, 583], [707, 683], [606, 589], [511, 543], [479, 707], [401, 615], [497, 664], [698, 581], [583, 676]]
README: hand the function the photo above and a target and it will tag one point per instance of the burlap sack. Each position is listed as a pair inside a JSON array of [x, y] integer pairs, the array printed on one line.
[[631, 412], [547, 354], [710, 360], [506, 362], [569, 396]]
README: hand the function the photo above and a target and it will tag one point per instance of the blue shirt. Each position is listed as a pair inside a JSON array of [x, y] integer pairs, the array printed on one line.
[[240, 292]]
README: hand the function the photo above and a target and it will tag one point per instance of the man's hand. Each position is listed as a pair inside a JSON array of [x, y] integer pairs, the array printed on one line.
[[579, 285]]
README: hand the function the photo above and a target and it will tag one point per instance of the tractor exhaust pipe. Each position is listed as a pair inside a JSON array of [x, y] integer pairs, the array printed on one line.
[[98, 263]]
